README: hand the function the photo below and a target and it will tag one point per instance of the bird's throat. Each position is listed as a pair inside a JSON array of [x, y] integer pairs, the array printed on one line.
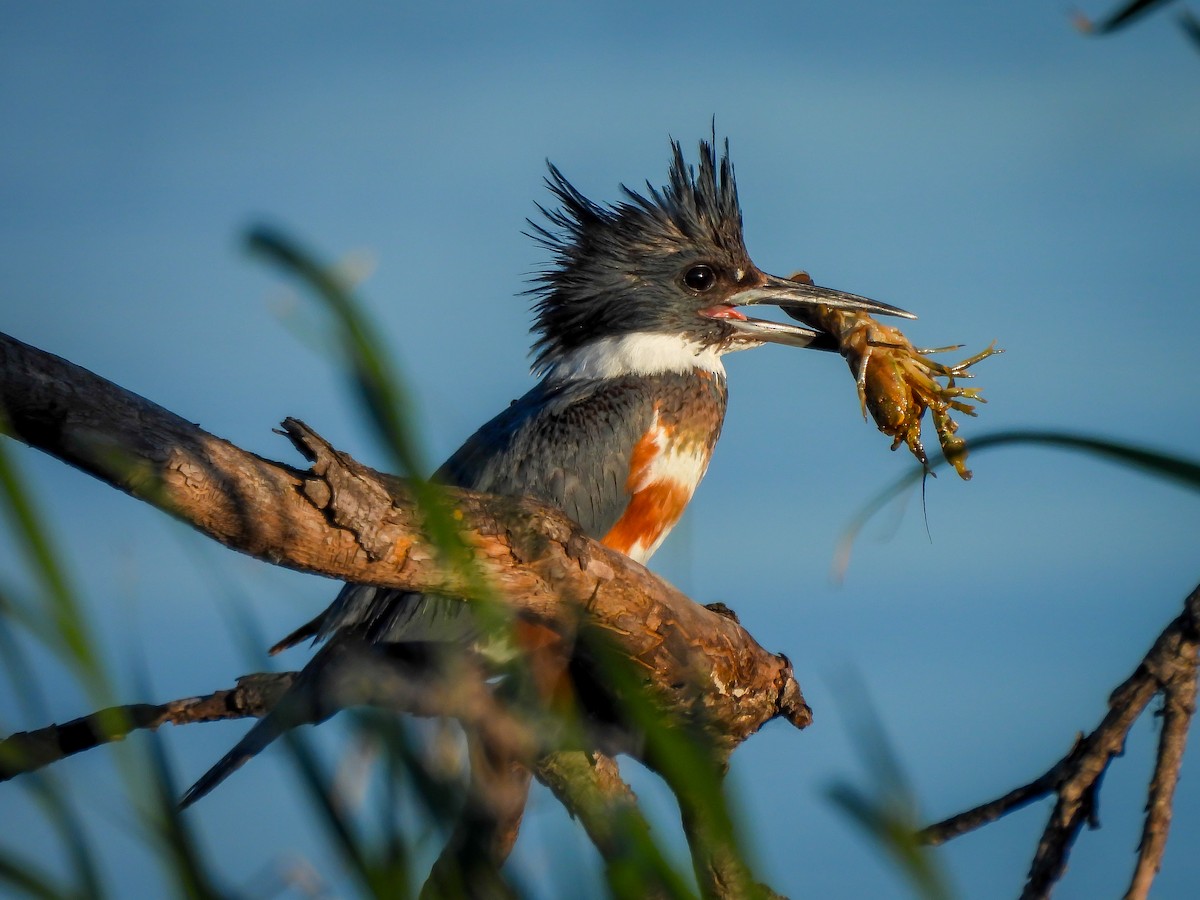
[[640, 353]]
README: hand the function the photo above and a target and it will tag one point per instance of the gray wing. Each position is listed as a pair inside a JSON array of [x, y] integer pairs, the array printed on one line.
[[569, 445]]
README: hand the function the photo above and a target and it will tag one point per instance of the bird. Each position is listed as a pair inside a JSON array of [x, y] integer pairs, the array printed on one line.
[[632, 318]]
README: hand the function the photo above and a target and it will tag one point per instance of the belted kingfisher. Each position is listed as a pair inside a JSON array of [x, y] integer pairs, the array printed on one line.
[[632, 321]]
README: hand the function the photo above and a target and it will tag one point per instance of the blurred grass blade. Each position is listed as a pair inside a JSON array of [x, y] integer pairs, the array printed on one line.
[[330, 814], [1126, 15], [66, 822], [15, 660], [24, 879], [374, 378], [1183, 471], [609, 812], [376, 382], [29, 530], [395, 853], [893, 827], [887, 811], [1180, 470], [686, 759], [1191, 26], [70, 639], [440, 797], [186, 864]]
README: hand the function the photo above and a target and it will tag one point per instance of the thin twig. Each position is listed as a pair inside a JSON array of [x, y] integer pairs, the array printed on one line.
[[1179, 705], [986, 813], [1076, 804], [1169, 668], [27, 751]]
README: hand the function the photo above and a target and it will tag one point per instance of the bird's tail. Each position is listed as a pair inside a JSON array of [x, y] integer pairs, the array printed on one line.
[[301, 704], [265, 731]]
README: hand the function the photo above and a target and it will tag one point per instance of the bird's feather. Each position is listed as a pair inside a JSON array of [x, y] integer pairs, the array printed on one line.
[[618, 441]]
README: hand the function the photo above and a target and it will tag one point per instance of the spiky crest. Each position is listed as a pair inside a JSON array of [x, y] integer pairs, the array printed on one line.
[[602, 255]]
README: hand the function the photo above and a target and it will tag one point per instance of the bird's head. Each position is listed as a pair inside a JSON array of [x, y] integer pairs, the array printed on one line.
[[665, 267]]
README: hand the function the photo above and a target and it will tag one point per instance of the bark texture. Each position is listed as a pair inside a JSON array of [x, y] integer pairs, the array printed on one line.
[[636, 636], [345, 520]]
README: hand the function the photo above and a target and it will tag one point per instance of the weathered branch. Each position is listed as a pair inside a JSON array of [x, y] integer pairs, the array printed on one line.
[[361, 680], [27, 751], [1170, 668], [591, 787], [1176, 673], [344, 520], [347, 521]]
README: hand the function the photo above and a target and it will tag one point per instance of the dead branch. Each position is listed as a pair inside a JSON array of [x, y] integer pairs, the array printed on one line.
[[1177, 675], [359, 680], [1169, 668], [592, 788], [27, 751], [589, 785], [341, 519], [346, 521]]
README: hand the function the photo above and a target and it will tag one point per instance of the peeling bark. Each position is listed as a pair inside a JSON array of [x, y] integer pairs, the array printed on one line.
[[341, 519], [347, 521]]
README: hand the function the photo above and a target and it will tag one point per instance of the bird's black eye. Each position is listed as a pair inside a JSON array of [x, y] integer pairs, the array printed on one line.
[[700, 278]]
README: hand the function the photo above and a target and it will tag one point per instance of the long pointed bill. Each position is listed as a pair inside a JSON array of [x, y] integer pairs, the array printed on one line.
[[799, 300]]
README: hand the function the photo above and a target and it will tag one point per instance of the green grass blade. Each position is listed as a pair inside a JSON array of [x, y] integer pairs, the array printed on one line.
[[1179, 470], [374, 377], [886, 811], [70, 635], [185, 861], [1126, 15], [65, 820], [353, 848], [378, 384], [22, 877], [1190, 26]]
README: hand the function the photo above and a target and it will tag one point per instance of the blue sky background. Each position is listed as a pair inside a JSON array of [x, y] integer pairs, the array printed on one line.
[[982, 165]]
